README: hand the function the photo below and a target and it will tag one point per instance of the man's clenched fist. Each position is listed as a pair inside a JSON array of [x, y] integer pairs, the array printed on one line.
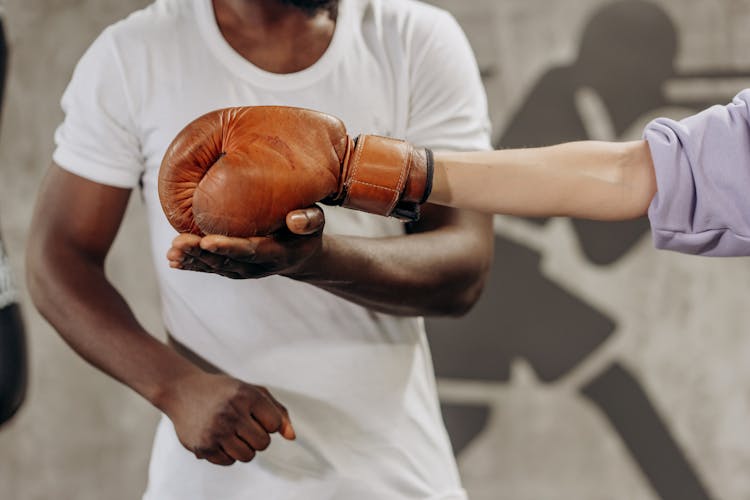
[[222, 419]]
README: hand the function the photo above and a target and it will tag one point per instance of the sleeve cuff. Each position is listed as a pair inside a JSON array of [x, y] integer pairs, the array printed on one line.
[[96, 171]]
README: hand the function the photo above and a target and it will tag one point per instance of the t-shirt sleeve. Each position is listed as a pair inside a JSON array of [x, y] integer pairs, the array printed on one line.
[[97, 139], [448, 105], [702, 164]]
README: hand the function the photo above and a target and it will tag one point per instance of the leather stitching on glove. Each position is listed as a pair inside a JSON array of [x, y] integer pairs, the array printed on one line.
[[405, 169]]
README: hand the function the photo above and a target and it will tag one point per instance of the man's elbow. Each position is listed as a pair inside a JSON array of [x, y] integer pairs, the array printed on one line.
[[463, 266], [460, 295], [460, 303]]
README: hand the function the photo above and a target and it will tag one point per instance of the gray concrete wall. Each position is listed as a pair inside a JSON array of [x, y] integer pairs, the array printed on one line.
[[80, 435], [673, 330], [604, 369]]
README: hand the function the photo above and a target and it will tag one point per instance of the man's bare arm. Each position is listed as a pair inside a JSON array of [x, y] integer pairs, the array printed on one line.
[[438, 269], [74, 224]]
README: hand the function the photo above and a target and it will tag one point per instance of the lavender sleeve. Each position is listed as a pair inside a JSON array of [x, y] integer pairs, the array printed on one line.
[[702, 164]]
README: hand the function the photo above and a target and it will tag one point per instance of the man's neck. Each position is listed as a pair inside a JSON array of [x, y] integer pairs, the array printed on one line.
[[272, 35]]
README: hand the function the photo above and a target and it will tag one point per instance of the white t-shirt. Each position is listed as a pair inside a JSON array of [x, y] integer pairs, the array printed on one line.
[[359, 385]]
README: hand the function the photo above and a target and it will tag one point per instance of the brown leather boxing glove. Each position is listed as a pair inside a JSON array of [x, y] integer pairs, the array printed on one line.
[[239, 171]]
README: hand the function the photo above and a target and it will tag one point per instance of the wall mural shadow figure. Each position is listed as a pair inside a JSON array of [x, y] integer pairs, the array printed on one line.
[[13, 358], [626, 56]]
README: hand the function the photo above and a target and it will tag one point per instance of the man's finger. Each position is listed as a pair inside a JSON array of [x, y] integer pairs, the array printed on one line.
[[267, 414], [191, 264], [251, 432], [306, 221], [286, 429], [175, 254], [237, 449], [217, 262], [273, 416], [215, 456], [242, 249], [186, 241]]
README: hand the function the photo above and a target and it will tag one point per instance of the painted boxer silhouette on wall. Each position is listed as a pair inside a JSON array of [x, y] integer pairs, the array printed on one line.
[[626, 56]]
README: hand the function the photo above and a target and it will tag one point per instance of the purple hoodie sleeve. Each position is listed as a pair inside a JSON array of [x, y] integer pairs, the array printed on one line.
[[702, 165]]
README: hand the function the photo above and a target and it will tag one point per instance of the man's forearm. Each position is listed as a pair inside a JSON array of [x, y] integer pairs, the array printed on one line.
[[92, 317], [592, 180], [439, 271]]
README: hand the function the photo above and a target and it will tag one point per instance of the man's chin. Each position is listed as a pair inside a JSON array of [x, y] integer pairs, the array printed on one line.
[[312, 6]]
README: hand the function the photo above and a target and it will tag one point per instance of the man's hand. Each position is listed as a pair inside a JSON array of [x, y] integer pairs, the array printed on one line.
[[222, 419], [255, 257]]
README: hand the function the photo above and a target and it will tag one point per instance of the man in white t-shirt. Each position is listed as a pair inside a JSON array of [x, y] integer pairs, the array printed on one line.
[[334, 333]]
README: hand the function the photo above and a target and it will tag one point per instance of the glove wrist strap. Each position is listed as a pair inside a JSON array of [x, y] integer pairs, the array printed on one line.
[[387, 177]]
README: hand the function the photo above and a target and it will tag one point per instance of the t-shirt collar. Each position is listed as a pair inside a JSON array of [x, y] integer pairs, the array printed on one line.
[[246, 70]]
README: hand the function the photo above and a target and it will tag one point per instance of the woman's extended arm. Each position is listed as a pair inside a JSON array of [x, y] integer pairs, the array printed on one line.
[[701, 166], [590, 179]]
